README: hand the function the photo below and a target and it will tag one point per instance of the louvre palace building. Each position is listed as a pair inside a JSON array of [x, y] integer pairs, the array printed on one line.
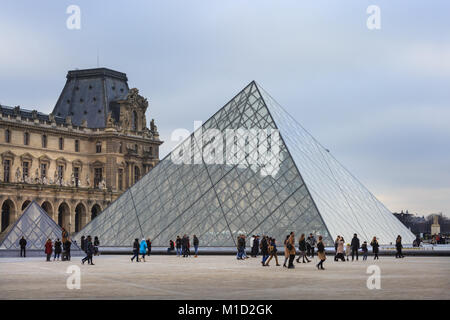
[[78, 159]]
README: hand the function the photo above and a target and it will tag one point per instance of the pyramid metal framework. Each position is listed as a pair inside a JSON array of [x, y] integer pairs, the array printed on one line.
[[309, 192], [36, 226]]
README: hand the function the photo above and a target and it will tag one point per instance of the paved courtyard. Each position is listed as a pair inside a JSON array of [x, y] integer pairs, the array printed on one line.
[[223, 277]]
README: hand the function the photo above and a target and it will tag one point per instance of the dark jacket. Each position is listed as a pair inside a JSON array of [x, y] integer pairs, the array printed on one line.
[[241, 243], [264, 247], [67, 245], [302, 245], [89, 248], [364, 247], [23, 243], [195, 241], [178, 241], [320, 247], [58, 246], [136, 246], [355, 243], [375, 246]]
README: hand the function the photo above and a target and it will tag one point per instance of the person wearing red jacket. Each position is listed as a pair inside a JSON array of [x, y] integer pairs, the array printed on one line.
[[48, 249]]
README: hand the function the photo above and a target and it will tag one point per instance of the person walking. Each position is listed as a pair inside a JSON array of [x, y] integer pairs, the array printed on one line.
[[375, 248], [364, 250], [321, 253], [83, 243], [286, 251], [66, 246], [57, 249], [96, 245], [135, 250], [255, 247], [143, 249], [347, 251], [313, 244], [23, 246], [308, 245], [195, 246], [335, 247], [290, 245], [240, 247], [149, 247], [89, 251], [178, 245], [399, 246], [48, 249], [272, 251], [264, 249], [355, 247], [340, 249], [302, 249]]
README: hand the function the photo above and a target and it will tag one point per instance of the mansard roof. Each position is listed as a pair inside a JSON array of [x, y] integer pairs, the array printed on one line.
[[89, 94]]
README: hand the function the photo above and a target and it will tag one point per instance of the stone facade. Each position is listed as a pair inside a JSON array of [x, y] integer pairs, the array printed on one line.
[[71, 169]]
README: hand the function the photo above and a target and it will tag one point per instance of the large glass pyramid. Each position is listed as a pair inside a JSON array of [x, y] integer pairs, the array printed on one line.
[[36, 226], [249, 169]]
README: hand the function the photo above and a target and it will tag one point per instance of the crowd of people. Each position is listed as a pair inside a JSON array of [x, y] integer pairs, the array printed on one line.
[[266, 246], [183, 246], [59, 248]]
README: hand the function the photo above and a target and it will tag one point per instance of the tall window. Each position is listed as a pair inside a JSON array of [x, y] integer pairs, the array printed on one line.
[[120, 178], [26, 138], [77, 145], [61, 143], [7, 136], [98, 147], [137, 174], [43, 170], [26, 168], [134, 121], [76, 175], [120, 148], [44, 141], [60, 173], [6, 170], [97, 176]]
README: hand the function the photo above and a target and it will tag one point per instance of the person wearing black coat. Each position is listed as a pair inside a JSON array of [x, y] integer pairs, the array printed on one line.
[[196, 242], [23, 245], [83, 243], [302, 249], [135, 250], [355, 247], [375, 248], [89, 251], [66, 246], [149, 246], [57, 249], [255, 248], [399, 246], [178, 245], [264, 250]]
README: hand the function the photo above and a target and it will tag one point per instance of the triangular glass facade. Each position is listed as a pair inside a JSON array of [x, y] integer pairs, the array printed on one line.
[[256, 188], [35, 225]]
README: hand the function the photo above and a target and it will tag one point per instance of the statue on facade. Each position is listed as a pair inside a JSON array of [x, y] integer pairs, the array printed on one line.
[[88, 181], [55, 177], [44, 180], [109, 120], [18, 175], [72, 179], [36, 176], [102, 184]]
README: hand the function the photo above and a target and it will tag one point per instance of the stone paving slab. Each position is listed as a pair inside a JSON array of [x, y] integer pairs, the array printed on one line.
[[223, 277]]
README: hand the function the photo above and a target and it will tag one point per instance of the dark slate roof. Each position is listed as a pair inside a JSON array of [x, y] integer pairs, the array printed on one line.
[[28, 114], [90, 94]]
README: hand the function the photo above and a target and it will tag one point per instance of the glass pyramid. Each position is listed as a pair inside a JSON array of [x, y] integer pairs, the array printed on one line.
[[36, 226], [249, 169]]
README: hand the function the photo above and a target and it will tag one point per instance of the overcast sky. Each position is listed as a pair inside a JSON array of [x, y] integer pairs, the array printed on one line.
[[378, 99]]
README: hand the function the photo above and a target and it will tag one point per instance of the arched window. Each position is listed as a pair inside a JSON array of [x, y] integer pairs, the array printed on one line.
[[134, 121], [137, 174]]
